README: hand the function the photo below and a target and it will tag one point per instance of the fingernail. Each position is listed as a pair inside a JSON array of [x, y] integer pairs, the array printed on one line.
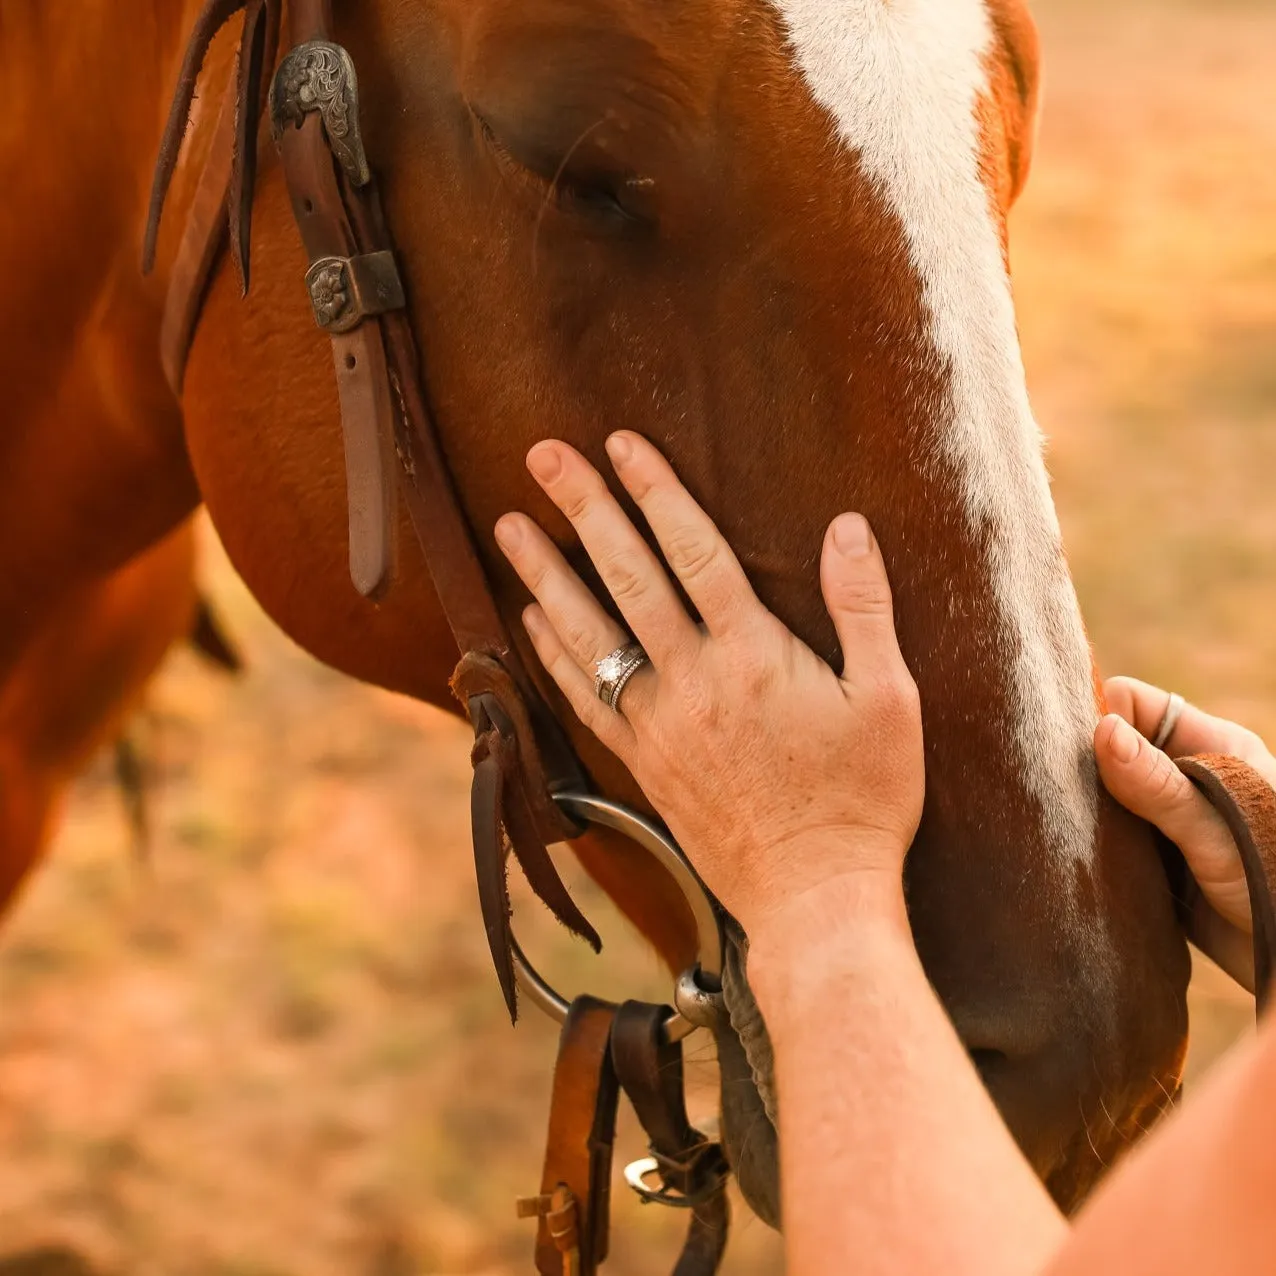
[[532, 621], [1124, 742], [544, 462], [619, 449], [508, 533], [851, 535]]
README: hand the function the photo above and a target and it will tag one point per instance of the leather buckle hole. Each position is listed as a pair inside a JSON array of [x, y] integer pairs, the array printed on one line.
[[351, 361], [308, 205]]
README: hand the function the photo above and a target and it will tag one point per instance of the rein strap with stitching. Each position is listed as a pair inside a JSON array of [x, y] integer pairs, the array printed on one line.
[[1247, 804]]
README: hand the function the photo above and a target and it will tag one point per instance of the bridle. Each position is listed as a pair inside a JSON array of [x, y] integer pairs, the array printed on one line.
[[529, 788]]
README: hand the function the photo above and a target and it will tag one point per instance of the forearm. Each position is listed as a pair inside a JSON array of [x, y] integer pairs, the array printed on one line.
[[893, 1157]]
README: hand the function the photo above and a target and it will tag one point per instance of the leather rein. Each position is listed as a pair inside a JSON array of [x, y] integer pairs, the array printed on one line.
[[529, 788]]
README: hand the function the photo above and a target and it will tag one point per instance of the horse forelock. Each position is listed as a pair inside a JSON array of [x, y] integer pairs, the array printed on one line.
[[907, 85]]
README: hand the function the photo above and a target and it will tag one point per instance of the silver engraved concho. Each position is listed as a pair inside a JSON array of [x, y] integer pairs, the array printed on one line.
[[319, 76], [344, 291], [329, 291]]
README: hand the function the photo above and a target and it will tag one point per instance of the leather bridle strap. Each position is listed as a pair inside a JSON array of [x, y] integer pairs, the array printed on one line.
[[693, 1170], [203, 239], [358, 355], [392, 448], [573, 1207], [521, 754], [223, 195], [603, 1049]]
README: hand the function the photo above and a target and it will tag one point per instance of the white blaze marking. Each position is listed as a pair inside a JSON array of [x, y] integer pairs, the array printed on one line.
[[902, 79]]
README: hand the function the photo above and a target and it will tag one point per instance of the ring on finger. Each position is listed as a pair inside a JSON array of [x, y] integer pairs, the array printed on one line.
[[1169, 720], [613, 671]]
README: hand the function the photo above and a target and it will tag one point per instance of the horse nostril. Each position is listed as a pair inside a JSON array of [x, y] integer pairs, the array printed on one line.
[[1039, 1089], [1002, 1041], [987, 1061]]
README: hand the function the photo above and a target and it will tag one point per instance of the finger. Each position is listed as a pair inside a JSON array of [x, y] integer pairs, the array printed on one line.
[[576, 685], [637, 696], [1145, 780], [630, 571], [1143, 706], [693, 547], [858, 595], [584, 628]]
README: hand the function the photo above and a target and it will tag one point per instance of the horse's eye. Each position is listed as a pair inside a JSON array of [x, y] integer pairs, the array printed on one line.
[[598, 195], [587, 181]]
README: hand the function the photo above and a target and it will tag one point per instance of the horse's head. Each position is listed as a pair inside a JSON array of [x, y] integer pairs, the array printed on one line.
[[771, 235]]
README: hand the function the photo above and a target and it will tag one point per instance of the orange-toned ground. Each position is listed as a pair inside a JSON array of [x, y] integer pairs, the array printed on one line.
[[279, 1051]]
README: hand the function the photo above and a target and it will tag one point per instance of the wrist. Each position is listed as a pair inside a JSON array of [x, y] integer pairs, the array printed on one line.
[[825, 869], [852, 925]]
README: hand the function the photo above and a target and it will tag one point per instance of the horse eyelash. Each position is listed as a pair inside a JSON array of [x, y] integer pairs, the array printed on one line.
[[560, 190]]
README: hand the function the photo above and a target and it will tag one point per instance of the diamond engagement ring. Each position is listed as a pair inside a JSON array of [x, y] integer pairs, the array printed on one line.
[[613, 671]]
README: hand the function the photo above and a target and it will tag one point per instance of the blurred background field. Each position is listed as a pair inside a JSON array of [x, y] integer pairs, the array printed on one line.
[[277, 1048]]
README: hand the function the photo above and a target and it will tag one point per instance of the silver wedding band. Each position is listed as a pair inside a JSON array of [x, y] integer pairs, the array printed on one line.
[[614, 670], [1169, 720]]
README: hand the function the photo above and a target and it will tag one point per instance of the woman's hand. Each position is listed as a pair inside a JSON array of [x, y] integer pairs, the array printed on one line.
[[775, 775], [1145, 779]]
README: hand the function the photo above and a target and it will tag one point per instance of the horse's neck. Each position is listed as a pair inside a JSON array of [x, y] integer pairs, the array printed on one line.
[[84, 398], [92, 91]]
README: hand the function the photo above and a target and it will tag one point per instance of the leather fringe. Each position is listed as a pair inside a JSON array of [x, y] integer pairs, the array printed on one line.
[[258, 46]]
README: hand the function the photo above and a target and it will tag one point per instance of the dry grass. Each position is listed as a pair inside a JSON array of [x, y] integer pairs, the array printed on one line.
[[278, 1051]]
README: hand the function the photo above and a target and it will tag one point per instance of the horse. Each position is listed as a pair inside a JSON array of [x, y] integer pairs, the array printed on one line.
[[769, 234]]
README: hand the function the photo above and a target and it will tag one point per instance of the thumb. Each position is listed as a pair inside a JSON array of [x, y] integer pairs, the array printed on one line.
[[857, 593], [1145, 780]]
